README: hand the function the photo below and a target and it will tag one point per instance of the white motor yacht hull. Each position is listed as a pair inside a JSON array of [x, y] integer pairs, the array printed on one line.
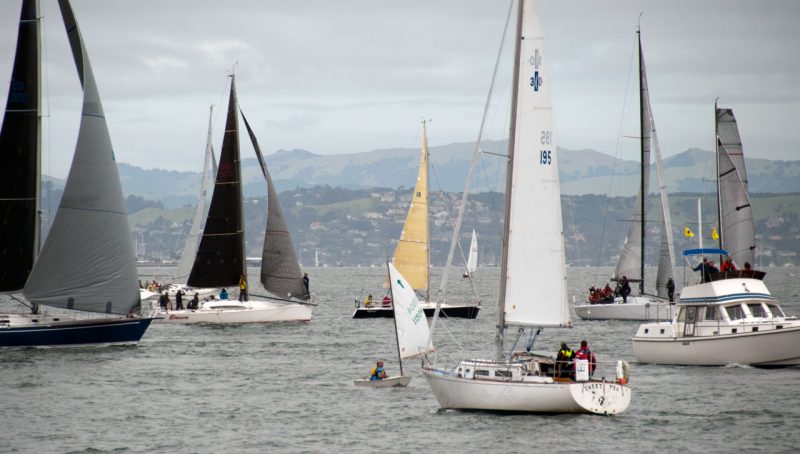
[[235, 312], [532, 395], [637, 308], [389, 382], [772, 348]]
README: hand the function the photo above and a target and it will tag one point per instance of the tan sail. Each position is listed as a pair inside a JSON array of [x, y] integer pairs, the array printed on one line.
[[411, 255]]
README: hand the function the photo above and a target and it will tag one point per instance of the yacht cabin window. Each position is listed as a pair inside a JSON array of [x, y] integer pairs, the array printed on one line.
[[735, 312], [776, 310], [757, 310], [711, 313]]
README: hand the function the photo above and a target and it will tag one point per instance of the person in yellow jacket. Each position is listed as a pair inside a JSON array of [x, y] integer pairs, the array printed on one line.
[[368, 301], [242, 288], [564, 360]]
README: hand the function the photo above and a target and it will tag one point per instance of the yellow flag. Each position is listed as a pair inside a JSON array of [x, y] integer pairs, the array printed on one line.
[[688, 233], [714, 234]]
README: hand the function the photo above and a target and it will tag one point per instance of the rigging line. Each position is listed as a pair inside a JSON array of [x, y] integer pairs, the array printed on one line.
[[46, 87], [616, 153], [475, 157], [450, 217]]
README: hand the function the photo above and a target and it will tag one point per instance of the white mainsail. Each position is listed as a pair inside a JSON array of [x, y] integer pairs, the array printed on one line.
[[533, 290], [88, 262], [472, 260], [736, 213], [203, 200], [413, 335]]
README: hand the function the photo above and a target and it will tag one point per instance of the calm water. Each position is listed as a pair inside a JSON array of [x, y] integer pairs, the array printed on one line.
[[289, 388]]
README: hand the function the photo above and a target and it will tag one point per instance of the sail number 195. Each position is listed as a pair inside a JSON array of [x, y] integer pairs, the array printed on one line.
[[545, 156]]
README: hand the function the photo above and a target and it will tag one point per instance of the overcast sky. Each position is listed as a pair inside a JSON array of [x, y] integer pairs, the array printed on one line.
[[352, 76]]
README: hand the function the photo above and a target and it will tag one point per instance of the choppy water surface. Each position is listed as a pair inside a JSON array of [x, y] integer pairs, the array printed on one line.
[[259, 388]]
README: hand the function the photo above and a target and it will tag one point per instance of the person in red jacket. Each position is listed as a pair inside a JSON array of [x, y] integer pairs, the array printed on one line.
[[585, 353]]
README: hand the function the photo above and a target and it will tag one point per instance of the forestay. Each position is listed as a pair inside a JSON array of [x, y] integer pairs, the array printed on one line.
[[533, 290], [411, 253], [19, 157], [738, 230], [413, 335], [280, 269], [88, 262]]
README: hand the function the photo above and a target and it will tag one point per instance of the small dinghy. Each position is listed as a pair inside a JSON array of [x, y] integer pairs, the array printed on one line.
[[411, 329]]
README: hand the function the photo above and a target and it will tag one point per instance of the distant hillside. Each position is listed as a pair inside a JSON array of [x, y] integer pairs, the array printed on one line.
[[582, 172]]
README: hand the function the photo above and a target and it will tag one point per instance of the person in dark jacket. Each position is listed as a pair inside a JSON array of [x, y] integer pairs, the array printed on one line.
[[704, 269], [671, 289], [624, 289]]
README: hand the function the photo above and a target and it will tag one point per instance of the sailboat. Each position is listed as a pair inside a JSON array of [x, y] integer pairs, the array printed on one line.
[[220, 260], [632, 259], [87, 262], [733, 318], [412, 254], [472, 260], [411, 328], [533, 289]]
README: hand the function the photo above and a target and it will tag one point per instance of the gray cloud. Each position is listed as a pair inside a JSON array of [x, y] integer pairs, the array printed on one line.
[[335, 77]]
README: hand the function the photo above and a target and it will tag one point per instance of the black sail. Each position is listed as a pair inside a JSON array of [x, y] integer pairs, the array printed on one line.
[[220, 257], [19, 158]]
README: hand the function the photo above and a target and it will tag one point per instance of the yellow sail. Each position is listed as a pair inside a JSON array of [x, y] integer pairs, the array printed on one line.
[[411, 255]]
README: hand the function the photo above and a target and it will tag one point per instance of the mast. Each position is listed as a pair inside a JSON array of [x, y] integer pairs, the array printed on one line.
[[427, 217], [500, 329], [37, 231], [644, 167], [720, 233], [394, 319]]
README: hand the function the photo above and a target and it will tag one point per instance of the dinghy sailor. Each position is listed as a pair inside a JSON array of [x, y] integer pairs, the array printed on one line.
[[378, 372]]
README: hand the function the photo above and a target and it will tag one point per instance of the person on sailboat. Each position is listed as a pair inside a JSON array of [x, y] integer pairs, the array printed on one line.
[[368, 301], [306, 282], [194, 302], [223, 294], [378, 372], [728, 265], [163, 301], [671, 289], [585, 353], [624, 289], [564, 360], [179, 300], [242, 288], [704, 269]]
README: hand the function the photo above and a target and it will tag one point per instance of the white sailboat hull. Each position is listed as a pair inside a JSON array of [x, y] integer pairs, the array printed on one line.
[[389, 382], [236, 312], [776, 347], [531, 395], [640, 308]]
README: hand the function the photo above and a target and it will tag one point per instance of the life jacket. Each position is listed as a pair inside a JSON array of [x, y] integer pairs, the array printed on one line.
[[583, 353], [376, 373], [566, 354]]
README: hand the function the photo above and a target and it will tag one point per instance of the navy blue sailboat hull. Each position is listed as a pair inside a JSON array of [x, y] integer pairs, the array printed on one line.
[[88, 332]]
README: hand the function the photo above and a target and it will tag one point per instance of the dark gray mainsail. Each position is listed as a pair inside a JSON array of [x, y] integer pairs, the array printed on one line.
[[736, 213], [280, 270], [20, 157], [220, 256], [195, 233], [87, 262]]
